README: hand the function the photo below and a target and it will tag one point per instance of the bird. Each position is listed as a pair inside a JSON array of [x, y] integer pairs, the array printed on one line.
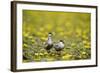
[[59, 46], [49, 43]]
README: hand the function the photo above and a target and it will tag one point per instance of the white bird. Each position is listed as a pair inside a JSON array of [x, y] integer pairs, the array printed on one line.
[[49, 43], [59, 46]]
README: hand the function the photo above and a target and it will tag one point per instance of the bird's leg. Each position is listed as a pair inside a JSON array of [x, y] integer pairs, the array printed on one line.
[[48, 51], [59, 53]]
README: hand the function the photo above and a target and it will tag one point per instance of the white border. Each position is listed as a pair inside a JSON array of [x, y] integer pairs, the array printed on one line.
[[30, 65]]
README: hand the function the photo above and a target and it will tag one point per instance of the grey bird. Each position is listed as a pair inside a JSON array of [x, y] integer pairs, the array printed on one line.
[[59, 46], [49, 43]]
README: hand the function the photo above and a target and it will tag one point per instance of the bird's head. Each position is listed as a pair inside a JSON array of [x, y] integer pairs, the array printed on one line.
[[49, 34], [62, 41]]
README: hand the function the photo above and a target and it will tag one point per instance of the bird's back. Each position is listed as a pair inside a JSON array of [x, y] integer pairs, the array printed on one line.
[[59, 46]]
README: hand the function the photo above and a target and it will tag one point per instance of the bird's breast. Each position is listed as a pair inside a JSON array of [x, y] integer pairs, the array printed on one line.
[[49, 42], [61, 45]]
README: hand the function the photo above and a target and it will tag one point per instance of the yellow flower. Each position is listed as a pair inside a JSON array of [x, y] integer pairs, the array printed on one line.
[[50, 59], [87, 46], [68, 24], [25, 45], [37, 59], [84, 41], [84, 36], [59, 29], [36, 54], [80, 56], [85, 32], [67, 56], [73, 44], [45, 53], [33, 40], [78, 31], [30, 37], [41, 54], [48, 27], [25, 34], [39, 33], [43, 38], [61, 33], [41, 29], [83, 52], [88, 43]]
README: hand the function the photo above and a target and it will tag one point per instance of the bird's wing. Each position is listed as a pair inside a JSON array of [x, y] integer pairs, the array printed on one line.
[[56, 45], [61, 45]]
